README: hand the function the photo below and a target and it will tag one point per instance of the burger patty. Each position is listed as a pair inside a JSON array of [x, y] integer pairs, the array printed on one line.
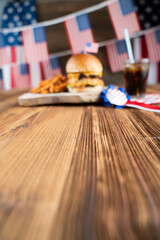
[[84, 79], [87, 82], [80, 75]]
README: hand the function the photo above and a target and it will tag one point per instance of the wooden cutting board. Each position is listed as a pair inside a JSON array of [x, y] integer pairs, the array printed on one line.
[[31, 99]]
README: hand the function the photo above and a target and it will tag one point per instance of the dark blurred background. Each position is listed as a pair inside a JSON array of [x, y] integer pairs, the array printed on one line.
[[57, 38]]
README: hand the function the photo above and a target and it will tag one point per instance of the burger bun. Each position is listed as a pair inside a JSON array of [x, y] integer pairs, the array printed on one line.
[[83, 63]]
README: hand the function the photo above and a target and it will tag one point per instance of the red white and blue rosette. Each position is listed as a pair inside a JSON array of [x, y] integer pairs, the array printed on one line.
[[118, 98]]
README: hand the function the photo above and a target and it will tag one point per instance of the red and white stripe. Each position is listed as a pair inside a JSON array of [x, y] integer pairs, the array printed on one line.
[[17, 54], [115, 59], [19, 80], [48, 71], [141, 51], [11, 54], [34, 52], [35, 70], [152, 46], [129, 21], [116, 97], [77, 39], [5, 56], [143, 106], [147, 98]]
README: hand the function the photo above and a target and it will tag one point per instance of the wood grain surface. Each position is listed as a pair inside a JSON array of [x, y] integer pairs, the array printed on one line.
[[83, 172]]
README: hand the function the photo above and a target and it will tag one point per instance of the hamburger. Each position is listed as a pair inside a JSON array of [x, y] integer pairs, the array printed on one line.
[[84, 73]]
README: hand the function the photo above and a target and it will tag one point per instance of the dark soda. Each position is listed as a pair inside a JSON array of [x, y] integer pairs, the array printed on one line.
[[135, 76]]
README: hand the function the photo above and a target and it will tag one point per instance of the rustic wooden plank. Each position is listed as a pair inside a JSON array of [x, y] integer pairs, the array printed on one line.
[[24, 148], [60, 8], [79, 172]]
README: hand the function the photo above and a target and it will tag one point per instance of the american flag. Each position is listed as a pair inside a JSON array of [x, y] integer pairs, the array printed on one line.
[[9, 74], [51, 67], [120, 21], [149, 16], [35, 45], [117, 53], [15, 14], [152, 38], [148, 13], [141, 51], [91, 47], [17, 56], [20, 76], [4, 51], [1, 79], [79, 32]]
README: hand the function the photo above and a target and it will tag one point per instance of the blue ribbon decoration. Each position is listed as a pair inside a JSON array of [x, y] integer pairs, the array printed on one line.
[[106, 102]]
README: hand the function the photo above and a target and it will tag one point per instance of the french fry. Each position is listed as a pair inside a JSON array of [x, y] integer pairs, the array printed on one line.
[[44, 82], [56, 84], [51, 88], [45, 87], [61, 86]]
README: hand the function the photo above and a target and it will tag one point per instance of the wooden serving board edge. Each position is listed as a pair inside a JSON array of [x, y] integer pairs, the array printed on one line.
[[31, 99]]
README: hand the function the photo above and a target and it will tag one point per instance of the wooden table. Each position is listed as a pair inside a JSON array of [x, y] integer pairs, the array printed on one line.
[[78, 172]]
